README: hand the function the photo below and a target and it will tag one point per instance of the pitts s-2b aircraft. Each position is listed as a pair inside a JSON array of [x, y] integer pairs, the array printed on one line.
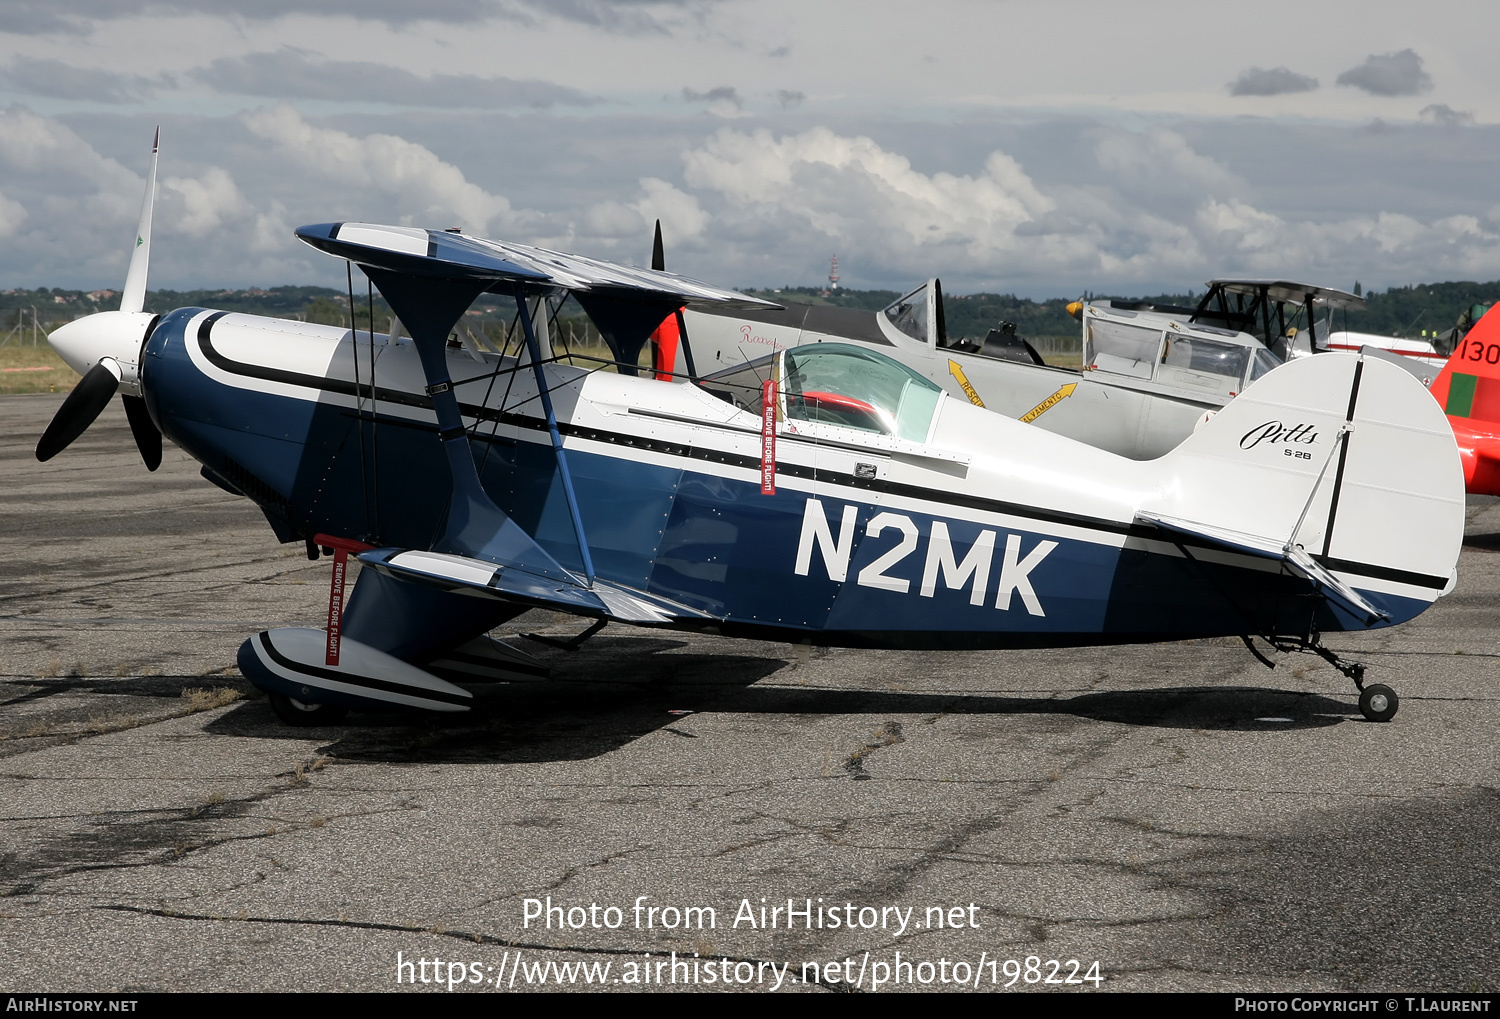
[[824, 494]]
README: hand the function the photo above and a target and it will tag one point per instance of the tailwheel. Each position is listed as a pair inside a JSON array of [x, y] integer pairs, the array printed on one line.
[[301, 713], [1378, 702]]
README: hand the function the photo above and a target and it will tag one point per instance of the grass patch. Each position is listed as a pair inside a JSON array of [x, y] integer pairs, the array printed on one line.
[[36, 369], [299, 776], [197, 698]]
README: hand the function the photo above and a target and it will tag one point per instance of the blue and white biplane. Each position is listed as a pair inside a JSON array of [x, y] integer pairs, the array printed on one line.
[[825, 494]]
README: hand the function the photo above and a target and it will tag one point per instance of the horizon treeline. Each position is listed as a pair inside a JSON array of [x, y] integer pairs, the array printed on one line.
[[1398, 311]]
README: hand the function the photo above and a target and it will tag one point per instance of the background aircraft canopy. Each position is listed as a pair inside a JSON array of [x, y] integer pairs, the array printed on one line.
[[1159, 349], [919, 314]]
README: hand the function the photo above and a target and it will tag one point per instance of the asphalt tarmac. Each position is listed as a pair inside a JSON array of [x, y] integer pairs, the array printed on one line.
[[1179, 814]]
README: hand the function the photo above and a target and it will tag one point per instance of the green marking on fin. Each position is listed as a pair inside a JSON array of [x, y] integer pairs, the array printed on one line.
[[139, 241], [1461, 395]]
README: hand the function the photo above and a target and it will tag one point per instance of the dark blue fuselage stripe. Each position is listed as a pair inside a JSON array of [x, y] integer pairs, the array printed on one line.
[[874, 485]]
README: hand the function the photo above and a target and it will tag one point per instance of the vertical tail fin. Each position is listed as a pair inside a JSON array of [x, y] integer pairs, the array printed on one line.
[[1469, 384], [1468, 390], [1340, 459]]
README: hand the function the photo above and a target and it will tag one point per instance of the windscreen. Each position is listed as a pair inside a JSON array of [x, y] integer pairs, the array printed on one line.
[[1214, 366], [849, 386], [1122, 349], [741, 386], [1264, 362], [909, 314]]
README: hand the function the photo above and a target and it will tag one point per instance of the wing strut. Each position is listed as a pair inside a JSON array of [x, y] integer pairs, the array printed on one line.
[[430, 307], [557, 445], [687, 347]]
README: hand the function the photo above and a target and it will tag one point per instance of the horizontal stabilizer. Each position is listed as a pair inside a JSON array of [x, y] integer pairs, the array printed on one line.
[[1417, 369], [463, 575], [1294, 560], [293, 661]]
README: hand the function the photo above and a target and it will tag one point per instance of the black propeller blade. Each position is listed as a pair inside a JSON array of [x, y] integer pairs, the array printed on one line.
[[658, 257], [83, 405], [147, 435]]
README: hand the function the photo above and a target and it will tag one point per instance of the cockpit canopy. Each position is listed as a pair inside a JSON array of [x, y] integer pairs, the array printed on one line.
[[836, 384], [919, 314], [1144, 346]]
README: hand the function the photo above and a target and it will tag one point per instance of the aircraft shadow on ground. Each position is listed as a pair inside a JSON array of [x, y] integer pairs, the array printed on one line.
[[1483, 542], [615, 691]]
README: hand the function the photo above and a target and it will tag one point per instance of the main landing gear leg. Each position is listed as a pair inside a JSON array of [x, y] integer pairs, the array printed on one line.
[[1377, 702], [568, 645]]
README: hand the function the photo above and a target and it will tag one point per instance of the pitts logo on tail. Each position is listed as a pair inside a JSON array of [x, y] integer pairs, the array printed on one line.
[[941, 563], [1276, 433]]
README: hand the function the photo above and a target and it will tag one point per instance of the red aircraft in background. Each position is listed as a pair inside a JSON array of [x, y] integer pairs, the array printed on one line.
[[1468, 388]]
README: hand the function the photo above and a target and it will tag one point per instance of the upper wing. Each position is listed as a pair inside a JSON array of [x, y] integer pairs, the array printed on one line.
[[447, 255]]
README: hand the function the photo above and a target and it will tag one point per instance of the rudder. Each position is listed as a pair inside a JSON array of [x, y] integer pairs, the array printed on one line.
[[1344, 457]]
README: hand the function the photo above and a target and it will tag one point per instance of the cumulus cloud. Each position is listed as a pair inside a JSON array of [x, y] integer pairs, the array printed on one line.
[[425, 187], [1442, 113], [89, 204], [295, 73], [801, 194], [1136, 211], [681, 216], [1389, 74], [1258, 81], [12, 215], [1160, 156], [41, 147], [623, 229], [207, 201], [818, 187]]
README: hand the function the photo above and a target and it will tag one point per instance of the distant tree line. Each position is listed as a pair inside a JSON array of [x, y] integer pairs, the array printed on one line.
[[1399, 311]]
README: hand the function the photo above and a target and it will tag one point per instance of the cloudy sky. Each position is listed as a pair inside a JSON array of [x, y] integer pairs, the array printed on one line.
[[1044, 147]]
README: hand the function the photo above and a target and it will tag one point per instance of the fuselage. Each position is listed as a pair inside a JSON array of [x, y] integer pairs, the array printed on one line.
[[987, 534]]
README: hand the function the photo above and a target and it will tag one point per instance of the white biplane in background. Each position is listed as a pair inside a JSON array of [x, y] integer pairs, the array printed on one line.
[[825, 494], [1150, 372]]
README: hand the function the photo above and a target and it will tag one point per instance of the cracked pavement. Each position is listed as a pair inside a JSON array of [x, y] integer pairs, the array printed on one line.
[[1179, 813]]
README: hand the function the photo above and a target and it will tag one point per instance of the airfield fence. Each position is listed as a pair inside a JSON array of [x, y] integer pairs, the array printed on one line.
[[1064, 346]]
